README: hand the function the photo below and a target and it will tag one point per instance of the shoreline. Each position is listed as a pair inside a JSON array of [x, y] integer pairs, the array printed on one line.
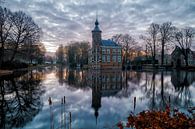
[[4, 72]]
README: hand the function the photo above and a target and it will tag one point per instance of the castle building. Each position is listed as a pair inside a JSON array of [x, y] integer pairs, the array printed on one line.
[[105, 54]]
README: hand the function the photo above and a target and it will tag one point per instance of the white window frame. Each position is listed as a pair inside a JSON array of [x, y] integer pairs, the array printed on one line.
[[119, 59], [103, 51], [103, 58], [108, 58], [108, 50], [114, 58]]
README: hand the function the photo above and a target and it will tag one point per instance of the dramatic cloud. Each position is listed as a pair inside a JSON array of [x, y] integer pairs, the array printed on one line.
[[65, 20]]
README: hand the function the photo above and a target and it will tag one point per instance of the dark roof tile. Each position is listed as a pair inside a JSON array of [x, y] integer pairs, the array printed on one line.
[[109, 43]]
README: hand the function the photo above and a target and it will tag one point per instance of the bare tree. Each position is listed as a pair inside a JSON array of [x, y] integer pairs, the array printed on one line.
[[77, 53], [184, 39], [24, 29], [166, 35], [151, 40], [37, 53], [60, 54], [127, 42], [84, 48], [5, 27]]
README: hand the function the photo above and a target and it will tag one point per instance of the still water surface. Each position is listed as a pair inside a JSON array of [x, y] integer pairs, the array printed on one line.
[[96, 99]]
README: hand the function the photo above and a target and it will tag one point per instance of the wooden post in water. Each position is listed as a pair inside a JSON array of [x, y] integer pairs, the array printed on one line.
[[169, 101], [64, 99], [70, 120], [49, 100], [64, 120], [61, 121], [64, 113], [50, 118], [134, 104], [51, 113]]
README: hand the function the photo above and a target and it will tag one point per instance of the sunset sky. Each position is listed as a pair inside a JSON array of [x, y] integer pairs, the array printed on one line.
[[63, 21]]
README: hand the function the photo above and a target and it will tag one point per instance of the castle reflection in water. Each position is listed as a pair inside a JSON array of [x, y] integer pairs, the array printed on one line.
[[104, 83], [158, 87]]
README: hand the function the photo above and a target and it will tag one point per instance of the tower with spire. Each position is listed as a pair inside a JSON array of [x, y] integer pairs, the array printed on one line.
[[96, 34], [105, 54]]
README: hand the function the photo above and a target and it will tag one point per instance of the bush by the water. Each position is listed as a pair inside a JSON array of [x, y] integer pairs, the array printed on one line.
[[160, 120]]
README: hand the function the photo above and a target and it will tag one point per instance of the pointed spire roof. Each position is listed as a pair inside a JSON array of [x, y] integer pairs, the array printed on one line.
[[96, 29], [96, 22]]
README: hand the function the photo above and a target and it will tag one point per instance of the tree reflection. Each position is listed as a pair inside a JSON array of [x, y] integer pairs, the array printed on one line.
[[151, 90], [161, 93], [20, 99], [181, 81], [61, 75], [162, 102], [74, 78]]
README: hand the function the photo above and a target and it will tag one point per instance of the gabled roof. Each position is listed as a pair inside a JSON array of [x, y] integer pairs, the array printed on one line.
[[109, 43], [177, 50]]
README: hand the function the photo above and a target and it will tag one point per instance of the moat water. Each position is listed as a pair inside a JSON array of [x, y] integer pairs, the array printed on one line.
[[95, 99]]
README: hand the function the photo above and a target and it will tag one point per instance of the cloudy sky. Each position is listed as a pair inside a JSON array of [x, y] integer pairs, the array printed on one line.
[[63, 21]]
